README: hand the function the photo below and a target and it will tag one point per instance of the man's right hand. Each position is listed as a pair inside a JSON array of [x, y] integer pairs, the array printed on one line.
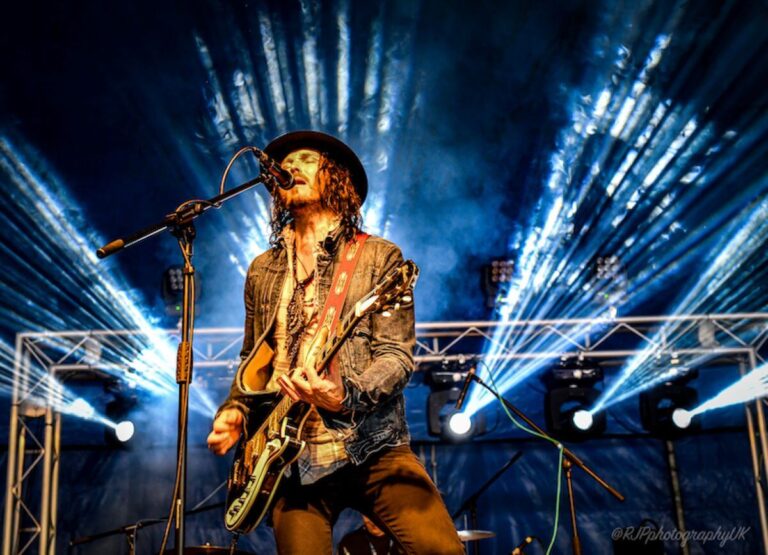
[[226, 431]]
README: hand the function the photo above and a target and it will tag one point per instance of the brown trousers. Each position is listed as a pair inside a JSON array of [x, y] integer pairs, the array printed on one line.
[[392, 488]]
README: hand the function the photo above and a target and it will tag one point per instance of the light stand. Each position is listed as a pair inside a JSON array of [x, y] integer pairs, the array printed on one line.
[[569, 459], [180, 224]]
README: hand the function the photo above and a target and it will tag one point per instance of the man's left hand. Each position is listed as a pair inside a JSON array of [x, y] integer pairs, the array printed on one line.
[[304, 384]]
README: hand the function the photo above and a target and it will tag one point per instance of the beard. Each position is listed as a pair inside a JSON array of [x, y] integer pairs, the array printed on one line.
[[300, 198]]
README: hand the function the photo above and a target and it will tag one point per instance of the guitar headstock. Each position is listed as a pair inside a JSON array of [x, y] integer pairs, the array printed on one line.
[[394, 291]]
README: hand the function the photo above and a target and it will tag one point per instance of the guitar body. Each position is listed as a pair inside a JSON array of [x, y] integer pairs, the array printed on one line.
[[261, 461]]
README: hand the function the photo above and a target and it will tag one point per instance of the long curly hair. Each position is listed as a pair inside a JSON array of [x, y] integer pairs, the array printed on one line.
[[339, 196]]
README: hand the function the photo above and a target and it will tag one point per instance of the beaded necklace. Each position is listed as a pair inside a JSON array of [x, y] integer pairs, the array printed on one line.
[[296, 323]]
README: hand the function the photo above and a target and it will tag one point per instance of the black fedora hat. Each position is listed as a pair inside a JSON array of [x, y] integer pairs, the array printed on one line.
[[322, 142]]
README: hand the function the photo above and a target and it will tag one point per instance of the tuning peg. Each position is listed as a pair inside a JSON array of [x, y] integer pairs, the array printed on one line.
[[407, 298], [386, 314], [397, 306]]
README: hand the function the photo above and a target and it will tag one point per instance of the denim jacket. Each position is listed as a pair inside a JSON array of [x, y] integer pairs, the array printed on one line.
[[375, 361]]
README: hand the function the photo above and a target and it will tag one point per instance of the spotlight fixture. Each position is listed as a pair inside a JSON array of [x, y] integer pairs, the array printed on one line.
[[118, 411], [445, 380], [461, 426], [571, 393], [583, 419], [682, 418], [500, 271], [459, 423], [608, 267], [611, 282], [173, 290], [124, 430], [665, 409], [497, 278]]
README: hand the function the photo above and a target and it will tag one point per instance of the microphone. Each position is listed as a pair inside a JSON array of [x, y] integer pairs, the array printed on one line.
[[519, 549], [282, 176], [467, 380]]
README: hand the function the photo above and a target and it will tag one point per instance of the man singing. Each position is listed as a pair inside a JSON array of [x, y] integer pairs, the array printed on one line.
[[357, 452]]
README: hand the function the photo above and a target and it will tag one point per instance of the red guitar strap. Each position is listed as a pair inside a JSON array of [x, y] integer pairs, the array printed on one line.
[[340, 284]]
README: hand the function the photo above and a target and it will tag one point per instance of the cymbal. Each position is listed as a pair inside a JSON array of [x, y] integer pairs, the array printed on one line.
[[207, 550], [472, 535]]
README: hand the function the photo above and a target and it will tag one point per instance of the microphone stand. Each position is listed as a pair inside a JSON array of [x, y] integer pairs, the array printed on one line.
[[181, 225], [470, 503], [569, 460]]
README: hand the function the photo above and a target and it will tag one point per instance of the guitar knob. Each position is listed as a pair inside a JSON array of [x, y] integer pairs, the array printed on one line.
[[397, 306], [407, 298], [386, 314]]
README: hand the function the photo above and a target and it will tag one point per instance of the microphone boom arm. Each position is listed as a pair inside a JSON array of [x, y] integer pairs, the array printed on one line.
[[183, 215]]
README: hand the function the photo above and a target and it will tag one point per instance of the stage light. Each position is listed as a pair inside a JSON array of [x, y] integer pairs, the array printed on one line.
[[608, 267], [173, 290], [445, 380], [665, 410], [459, 423], [571, 393], [82, 408], [611, 283], [583, 419], [497, 278], [124, 431], [457, 427], [117, 412], [682, 418], [500, 271]]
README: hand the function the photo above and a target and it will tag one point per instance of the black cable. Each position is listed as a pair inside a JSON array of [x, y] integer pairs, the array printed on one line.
[[177, 483], [231, 162]]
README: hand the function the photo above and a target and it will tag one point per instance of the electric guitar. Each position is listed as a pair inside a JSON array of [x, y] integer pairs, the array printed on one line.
[[265, 453]]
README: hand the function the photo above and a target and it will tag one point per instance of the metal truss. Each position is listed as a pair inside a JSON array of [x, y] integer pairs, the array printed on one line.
[[714, 335], [45, 360]]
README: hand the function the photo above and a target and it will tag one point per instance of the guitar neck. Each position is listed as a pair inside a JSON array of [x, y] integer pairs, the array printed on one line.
[[332, 346]]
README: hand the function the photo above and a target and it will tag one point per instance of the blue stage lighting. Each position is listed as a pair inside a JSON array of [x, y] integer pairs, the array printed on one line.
[[571, 393], [124, 430], [665, 409], [583, 419], [682, 418], [459, 424], [120, 425], [749, 387], [446, 379], [82, 408]]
